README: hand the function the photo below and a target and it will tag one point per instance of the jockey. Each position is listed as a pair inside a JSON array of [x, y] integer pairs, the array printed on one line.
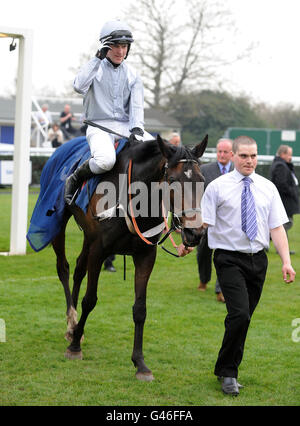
[[113, 97]]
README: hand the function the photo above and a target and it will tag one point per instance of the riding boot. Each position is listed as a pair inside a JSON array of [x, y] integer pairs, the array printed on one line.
[[75, 180]]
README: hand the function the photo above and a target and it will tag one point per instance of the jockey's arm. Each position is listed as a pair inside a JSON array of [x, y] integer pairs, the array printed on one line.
[[86, 75]]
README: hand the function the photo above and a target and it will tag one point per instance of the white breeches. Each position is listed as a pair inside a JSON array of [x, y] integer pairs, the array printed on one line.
[[102, 144]]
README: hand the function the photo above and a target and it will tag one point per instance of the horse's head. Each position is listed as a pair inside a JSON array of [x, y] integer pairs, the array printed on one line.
[[182, 173]]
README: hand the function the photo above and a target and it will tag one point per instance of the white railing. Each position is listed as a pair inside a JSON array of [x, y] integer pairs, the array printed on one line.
[[8, 150], [40, 129]]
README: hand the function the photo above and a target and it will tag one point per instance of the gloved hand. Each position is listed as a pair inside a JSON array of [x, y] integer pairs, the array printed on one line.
[[136, 135], [104, 48]]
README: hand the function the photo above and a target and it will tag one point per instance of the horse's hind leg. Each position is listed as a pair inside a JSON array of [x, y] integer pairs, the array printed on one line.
[[62, 267], [79, 274], [143, 267]]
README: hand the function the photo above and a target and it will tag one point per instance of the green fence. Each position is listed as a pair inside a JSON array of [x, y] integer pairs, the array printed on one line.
[[268, 140]]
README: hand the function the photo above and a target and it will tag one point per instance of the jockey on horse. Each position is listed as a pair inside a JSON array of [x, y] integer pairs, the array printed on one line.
[[113, 97]]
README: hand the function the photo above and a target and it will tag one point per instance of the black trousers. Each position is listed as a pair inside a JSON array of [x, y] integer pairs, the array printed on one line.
[[241, 278], [109, 261]]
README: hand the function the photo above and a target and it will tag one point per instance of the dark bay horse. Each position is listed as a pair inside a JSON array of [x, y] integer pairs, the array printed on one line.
[[153, 161]]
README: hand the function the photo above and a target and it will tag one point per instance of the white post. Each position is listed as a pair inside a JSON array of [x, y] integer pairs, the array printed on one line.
[[19, 209]]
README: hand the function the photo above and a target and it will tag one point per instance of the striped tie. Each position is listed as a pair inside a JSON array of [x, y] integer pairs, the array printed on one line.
[[249, 224], [223, 170]]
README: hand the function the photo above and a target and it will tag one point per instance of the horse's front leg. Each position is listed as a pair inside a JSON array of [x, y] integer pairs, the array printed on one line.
[[143, 267]]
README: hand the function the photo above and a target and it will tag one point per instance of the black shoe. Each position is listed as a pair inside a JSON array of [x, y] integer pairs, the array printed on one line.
[[110, 268], [75, 180], [230, 386], [220, 378]]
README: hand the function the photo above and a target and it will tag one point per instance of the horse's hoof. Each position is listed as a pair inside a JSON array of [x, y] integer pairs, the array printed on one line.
[[144, 377], [73, 355]]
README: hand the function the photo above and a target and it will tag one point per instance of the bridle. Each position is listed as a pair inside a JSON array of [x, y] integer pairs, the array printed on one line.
[[185, 211], [176, 222]]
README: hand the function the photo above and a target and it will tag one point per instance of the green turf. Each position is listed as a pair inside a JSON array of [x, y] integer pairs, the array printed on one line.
[[183, 333]]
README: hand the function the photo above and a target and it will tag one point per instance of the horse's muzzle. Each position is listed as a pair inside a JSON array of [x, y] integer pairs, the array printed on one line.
[[192, 236]]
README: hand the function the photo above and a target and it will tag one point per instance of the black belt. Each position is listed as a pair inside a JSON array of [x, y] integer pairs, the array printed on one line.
[[240, 253]]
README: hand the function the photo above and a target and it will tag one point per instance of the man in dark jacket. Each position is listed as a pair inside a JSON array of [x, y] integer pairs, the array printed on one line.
[[284, 178]]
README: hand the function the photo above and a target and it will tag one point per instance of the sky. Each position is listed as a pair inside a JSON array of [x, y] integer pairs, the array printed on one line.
[[63, 30]]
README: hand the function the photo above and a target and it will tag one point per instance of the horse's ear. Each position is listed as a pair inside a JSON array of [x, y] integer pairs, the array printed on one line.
[[199, 149], [164, 147]]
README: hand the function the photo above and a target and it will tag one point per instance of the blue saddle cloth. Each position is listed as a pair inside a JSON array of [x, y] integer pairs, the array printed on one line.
[[46, 220]]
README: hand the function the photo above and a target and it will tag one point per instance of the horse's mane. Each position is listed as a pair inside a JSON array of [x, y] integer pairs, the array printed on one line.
[[180, 152], [141, 152]]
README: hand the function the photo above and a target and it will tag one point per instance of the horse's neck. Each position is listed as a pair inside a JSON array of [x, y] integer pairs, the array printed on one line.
[[148, 174], [150, 171]]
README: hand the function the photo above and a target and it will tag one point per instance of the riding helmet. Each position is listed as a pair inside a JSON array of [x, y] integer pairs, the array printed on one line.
[[116, 32]]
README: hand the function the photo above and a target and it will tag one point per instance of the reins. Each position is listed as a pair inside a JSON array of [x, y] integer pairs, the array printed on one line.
[[136, 228], [169, 230], [135, 225]]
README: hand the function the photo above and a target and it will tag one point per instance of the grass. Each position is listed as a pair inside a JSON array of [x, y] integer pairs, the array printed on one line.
[[183, 333]]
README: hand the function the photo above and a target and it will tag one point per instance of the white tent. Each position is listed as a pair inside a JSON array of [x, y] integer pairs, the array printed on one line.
[[19, 209]]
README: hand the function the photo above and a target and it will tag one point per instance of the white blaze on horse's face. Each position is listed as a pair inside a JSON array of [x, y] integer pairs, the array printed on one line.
[[188, 173]]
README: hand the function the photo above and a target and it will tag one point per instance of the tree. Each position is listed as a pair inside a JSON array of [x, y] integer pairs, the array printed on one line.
[[211, 113], [179, 45], [282, 116]]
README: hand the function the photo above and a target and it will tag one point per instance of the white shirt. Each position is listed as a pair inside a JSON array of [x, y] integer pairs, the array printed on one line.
[[40, 115], [221, 210]]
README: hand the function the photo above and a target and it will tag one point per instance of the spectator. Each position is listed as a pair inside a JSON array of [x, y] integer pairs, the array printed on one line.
[[175, 139], [39, 132], [108, 264], [66, 119], [55, 136], [44, 116], [210, 172], [284, 178], [241, 209]]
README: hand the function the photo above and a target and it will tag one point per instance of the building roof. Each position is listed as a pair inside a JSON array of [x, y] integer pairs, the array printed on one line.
[[160, 120], [7, 110], [155, 120]]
